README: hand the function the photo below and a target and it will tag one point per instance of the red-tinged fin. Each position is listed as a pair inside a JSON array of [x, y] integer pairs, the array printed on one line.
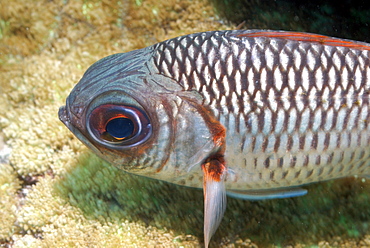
[[214, 172], [307, 37]]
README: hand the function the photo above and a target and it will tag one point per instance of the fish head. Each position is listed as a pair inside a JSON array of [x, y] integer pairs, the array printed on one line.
[[138, 120]]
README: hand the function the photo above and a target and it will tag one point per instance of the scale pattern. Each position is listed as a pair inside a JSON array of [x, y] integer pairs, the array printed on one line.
[[295, 111]]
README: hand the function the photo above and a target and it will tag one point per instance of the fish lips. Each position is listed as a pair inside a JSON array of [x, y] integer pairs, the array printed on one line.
[[63, 117]]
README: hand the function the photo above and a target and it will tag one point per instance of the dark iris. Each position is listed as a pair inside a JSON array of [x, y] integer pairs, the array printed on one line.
[[120, 128]]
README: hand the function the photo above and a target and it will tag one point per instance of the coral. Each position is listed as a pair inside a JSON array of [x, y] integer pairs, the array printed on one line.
[[54, 193], [9, 185], [48, 215]]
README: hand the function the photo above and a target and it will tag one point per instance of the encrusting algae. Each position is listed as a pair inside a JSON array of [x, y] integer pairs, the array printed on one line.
[[54, 193]]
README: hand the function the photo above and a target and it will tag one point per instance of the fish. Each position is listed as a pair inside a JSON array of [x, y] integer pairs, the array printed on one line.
[[253, 114]]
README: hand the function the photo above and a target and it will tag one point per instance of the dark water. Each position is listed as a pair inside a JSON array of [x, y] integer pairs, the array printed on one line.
[[344, 18]]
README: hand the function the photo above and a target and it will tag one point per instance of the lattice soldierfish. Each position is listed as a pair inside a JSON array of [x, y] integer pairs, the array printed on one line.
[[249, 113]]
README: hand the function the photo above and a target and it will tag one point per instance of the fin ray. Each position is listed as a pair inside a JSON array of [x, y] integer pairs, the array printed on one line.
[[256, 195], [214, 190]]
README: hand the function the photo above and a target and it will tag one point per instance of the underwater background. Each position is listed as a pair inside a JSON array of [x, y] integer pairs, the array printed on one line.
[[55, 193]]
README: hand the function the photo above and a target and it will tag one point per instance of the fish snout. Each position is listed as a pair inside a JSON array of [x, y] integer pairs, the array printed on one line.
[[63, 116]]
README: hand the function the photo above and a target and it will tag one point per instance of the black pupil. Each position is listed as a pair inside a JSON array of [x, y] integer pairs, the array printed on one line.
[[120, 128]]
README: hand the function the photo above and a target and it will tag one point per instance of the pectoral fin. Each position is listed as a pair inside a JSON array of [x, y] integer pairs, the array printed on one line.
[[214, 172]]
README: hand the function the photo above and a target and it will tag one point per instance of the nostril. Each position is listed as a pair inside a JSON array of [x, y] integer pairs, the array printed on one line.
[[77, 109]]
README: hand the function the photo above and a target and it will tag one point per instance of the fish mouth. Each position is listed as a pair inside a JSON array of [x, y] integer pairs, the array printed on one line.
[[63, 116], [68, 120]]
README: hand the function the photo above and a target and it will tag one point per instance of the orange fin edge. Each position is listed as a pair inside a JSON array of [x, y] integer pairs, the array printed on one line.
[[307, 37], [214, 173]]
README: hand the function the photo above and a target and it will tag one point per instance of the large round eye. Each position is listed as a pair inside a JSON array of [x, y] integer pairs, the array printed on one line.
[[119, 125]]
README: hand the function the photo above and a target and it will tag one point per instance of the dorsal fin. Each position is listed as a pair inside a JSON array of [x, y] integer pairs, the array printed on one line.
[[307, 37]]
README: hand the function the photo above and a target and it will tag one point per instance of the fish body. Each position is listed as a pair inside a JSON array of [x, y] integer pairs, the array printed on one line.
[[252, 112]]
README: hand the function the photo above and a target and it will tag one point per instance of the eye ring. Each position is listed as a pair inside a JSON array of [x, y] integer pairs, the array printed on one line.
[[119, 126]]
